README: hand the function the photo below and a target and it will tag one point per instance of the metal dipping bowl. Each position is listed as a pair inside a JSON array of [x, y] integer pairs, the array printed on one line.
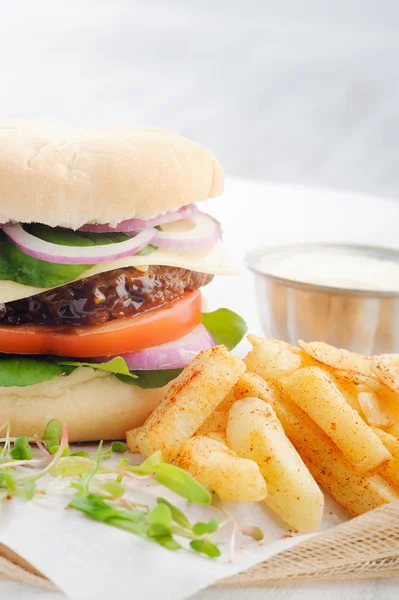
[[362, 321]]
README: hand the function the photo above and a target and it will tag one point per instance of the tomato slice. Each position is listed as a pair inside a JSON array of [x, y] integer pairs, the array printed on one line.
[[153, 328]]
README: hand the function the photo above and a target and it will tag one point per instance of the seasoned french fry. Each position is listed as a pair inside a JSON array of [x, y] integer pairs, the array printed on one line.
[[391, 470], [134, 435], [315, 393], [393, 430], [218, 436], [190, 400], [346, 385], [213, 464], [386, 367], [217, 421], [372, 407], [254, 431], [251, 385], [132, 441], [227, 402], [338, 357], [272, 358], [357, 377], [255, 340], [388, 399], [333, 472], [348, 389]]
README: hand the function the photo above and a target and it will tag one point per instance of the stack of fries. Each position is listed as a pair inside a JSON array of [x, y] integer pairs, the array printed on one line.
[[281, 423]]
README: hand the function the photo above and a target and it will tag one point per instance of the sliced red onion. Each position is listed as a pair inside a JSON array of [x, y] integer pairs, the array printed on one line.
[[185, 212], [71, 255], [174, 355], [204, 234]]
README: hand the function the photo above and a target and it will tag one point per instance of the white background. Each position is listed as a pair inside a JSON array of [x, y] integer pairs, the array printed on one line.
[[304, 92]]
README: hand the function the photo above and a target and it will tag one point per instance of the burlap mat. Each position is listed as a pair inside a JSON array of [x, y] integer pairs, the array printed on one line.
[[364, 548]]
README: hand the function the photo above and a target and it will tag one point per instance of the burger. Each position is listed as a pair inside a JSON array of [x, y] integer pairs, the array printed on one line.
[[103, 256]]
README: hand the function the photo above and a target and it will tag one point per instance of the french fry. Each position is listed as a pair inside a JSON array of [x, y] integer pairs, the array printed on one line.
[[388, 399], [338, 357], [315, 393], [357, 377], [217, 421], [251, 385], [386, 367], [327, 464], [347, 387], [227, 402], [272, 358], [393, 430], [190, 400], [332, 471], [132, 441], [255, 340], [218, 436], [134, 435], [254, 431], [372, 406], [213, 464], [391, 470]]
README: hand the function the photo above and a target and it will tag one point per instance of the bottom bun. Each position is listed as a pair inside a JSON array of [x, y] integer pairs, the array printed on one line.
[[93, 404]]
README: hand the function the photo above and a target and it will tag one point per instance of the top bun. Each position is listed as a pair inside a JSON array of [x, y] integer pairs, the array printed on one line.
[[62, 176]]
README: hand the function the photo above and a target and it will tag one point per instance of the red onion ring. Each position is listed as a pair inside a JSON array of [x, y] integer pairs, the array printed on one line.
[[185, 212], [174, 355], [204, 235], [71, 255]]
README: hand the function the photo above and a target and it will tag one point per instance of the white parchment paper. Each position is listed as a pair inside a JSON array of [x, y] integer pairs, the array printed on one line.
[[88, 560]]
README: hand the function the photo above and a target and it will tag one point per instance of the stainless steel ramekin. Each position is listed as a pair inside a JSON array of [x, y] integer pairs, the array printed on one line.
[[362, 321]]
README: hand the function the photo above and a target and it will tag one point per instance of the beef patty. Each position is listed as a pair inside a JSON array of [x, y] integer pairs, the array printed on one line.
[[104, 297]]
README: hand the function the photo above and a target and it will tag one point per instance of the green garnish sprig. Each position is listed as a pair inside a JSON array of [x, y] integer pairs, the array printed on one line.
[[99, 489]]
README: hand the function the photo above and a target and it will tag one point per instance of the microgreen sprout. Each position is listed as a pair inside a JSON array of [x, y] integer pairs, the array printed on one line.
[[21, 449], [99, 487], [42, 447], [116, 447], [21, 455], [250, 531]]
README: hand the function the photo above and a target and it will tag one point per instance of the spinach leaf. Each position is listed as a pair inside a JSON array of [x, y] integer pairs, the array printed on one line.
[[226, 327], [149, 249], [17, 266], [68, 237], [150, 379], [23, 371], [116, 365]]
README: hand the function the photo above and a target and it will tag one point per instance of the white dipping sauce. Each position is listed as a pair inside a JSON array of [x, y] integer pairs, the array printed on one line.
[[339, 267]]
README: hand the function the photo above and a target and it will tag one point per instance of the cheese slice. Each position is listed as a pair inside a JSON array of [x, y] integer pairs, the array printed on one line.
[[213, 261]]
